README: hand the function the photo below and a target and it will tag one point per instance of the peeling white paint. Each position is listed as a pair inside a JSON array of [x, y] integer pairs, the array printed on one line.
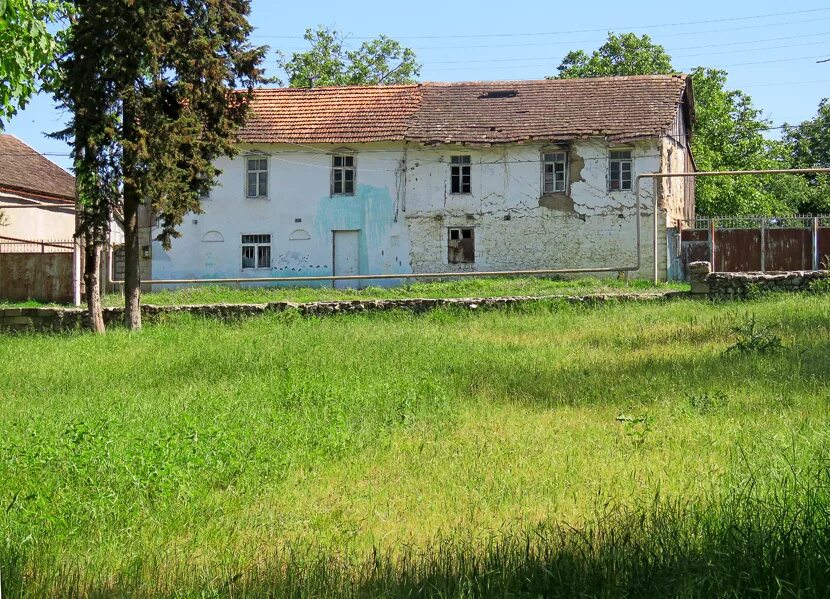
[[403, 209]]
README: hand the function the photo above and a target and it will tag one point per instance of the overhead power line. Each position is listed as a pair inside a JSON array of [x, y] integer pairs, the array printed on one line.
[[594, 30]]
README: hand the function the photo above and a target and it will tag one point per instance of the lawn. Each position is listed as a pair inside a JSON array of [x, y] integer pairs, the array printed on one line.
[[475, 287], [543, 450]]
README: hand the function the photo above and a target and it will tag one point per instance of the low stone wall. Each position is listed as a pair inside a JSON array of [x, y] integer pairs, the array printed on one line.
[[72, 319], [743, 284]]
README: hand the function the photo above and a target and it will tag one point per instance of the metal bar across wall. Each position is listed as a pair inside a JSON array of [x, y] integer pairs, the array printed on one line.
[[427, 275], [778, 171]]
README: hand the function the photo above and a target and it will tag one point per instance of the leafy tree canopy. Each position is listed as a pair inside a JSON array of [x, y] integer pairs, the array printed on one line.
[[625, 54], [327, 62], [26, 49]]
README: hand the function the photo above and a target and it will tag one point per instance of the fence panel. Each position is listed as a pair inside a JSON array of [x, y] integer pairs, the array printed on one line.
[[36, 270], [737, 250], [747, 244], [789, 249]]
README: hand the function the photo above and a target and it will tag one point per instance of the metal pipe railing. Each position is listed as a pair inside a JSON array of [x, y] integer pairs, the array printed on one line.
[[429, 275], [777, 171]]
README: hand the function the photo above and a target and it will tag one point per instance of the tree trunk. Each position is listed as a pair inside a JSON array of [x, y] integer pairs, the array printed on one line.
[[92, 268], [132, 201], [132, 276]]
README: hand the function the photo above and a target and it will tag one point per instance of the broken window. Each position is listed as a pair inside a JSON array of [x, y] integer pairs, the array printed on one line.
[[256, 184], [256, 251], [460, 180], [461, 246], [619, 170], [555, 170], [342, 175]]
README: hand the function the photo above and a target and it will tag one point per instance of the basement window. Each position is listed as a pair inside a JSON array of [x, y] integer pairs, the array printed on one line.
[[256, 251], [555, 172], [342, 175], [619, 170], [460, 174], [256, 182], [461, 246]]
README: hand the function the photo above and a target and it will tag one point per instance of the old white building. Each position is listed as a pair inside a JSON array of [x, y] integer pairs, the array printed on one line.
[[442, 177]]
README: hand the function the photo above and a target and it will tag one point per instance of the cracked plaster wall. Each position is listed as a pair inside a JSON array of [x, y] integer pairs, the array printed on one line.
[[516, 227]]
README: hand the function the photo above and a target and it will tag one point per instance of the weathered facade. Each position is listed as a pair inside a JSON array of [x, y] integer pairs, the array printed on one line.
[[443, 178]]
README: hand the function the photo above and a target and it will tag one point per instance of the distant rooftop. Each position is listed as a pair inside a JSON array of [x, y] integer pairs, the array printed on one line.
[[23, 170]]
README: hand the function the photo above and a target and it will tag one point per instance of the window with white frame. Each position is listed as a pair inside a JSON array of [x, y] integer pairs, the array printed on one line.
[[555, 172], [460, 175], [342, 175], [256, 183], [256, 251], [619, 170]]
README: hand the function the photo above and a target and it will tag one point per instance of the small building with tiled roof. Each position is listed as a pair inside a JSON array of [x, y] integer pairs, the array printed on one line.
[[37, 197], [445, 178]]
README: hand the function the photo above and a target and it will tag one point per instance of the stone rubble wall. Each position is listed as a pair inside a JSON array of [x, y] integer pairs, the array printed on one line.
[[725, 285], [73, 319]]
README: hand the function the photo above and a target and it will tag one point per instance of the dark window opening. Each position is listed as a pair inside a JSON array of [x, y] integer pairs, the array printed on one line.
[[342, 175], [461, 246], [460, 174]]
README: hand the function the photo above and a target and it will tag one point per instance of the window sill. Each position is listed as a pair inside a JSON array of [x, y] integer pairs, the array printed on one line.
[[254, 198]]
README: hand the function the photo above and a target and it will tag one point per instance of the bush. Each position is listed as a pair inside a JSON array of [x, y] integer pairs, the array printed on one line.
[[754, 338]]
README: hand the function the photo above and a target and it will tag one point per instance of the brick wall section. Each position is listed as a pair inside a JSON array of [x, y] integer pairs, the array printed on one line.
[[725, 285], [73, 319]]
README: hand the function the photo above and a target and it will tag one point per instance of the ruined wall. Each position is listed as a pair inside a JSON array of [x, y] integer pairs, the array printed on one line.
[[736, 285], [403, 209], [516, 225]]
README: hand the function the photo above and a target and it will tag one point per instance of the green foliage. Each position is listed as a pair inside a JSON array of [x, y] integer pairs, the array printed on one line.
[[706, 402], [150, 87], [27, 49], [625, 54], [820, 286], [754, 337], [808, 145], [327, 62]]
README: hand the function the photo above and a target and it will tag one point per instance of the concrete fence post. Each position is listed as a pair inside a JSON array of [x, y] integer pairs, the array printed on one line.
[[712, 242], [763, 245], [816, 257], [698, 275]]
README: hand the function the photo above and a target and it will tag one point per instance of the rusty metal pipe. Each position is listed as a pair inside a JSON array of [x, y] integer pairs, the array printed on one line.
[[776, 171]]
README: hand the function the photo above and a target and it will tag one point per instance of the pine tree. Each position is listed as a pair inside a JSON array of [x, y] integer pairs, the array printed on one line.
[[157, 90]]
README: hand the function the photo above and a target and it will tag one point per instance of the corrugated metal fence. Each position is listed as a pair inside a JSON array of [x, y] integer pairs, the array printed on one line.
[[39, 270], [756, 243]]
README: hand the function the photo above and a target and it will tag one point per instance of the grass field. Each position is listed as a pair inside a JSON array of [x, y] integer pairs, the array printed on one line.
[[478, 287], [547, 450]]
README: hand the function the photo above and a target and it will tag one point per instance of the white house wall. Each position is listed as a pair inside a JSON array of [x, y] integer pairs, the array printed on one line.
[[404, 213], [299, 214], [516, 226]]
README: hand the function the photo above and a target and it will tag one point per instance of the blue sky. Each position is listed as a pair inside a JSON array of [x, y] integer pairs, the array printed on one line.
[[769, 48]]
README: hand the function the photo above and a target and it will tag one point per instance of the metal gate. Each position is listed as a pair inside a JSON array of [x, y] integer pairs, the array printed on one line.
[[757, 244]]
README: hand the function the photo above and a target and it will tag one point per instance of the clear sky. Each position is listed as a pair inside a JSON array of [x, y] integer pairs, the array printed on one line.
[[769, 48]]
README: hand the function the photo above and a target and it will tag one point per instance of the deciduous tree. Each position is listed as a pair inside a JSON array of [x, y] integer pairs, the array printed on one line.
[[328, 62]]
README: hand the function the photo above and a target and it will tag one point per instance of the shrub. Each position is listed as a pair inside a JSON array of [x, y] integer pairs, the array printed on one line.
[[753, 337]]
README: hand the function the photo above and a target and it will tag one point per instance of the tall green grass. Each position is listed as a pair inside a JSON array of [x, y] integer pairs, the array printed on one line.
[[545, 450]]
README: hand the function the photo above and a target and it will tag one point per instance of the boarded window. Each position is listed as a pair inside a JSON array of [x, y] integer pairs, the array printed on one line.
[[555, 170], [256, 184], [343, 175], [460, 179], [619, 170], [256, 251], [461, 246]]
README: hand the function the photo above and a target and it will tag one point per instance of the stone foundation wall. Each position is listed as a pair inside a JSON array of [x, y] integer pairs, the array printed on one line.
[[73, 319], [743, 284]]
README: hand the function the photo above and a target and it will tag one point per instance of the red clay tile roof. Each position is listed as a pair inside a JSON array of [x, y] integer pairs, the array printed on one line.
[[331, 114], [23, 170], [618, 108]]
